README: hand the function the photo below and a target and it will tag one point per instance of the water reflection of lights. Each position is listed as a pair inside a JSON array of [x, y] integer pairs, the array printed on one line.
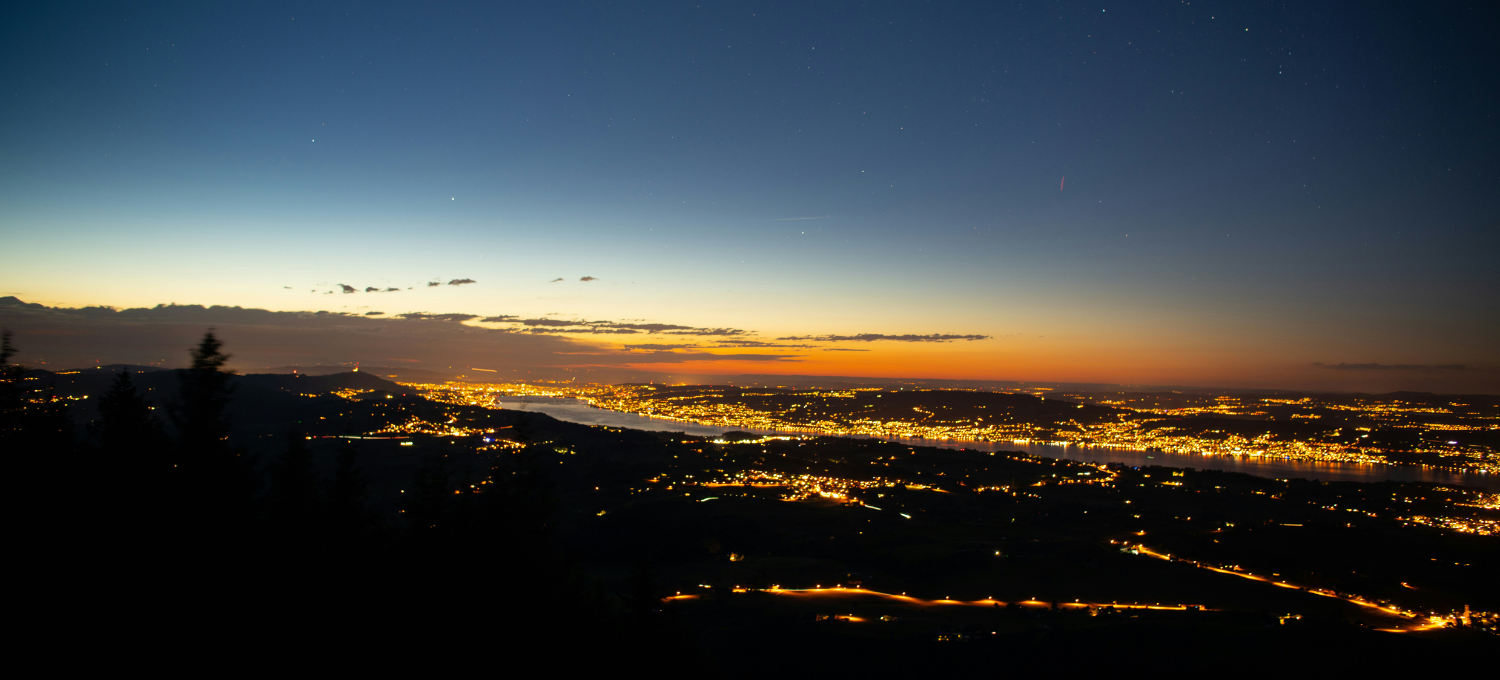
[[1139, 427]]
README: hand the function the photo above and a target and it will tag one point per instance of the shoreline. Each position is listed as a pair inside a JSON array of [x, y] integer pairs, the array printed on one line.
[[1260, 466]]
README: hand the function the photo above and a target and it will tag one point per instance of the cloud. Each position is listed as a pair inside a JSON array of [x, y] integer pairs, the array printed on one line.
[[461, 282], [259, 338], [719, 344], [374, 313], [872, 337], [1393, 367], [370, 289], [499, 319], [424, 316], [759, 343], [434, 284], [347, 288], [843, 349], [648, 327], [585, 330], [709, 331], [545, 325], [555, 280], [794, 219], [67, 338], [389, 290], [677, 357], [588, 278]]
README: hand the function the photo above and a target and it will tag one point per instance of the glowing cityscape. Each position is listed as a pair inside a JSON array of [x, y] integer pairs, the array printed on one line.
[[1137, 423]]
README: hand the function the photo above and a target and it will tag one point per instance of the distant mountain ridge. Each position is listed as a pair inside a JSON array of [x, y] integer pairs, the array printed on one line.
[[404, 374], [13, 301]]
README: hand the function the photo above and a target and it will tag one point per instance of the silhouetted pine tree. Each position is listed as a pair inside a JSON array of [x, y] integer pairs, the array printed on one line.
[[203, 426], [129, 466], [32, 419], [13, 402], [515, 510], [212, 482], [427, 503], [37, 452], [131, 444], [295, 506], [125, 418], [348, 496], [10, 383]]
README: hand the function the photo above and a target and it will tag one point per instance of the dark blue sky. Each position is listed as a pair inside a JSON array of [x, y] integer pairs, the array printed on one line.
[[1322, 176]]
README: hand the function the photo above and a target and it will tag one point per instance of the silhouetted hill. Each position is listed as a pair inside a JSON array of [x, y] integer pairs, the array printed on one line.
[[91, 381], [116, 368], [262, 402], [318, 383], [394, 373], [13, 301]]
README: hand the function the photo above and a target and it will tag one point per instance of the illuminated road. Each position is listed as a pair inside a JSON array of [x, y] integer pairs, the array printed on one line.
[[1409, 617], [841, 592]]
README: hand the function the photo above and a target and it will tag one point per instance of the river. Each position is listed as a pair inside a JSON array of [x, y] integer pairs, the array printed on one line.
[[575, 411]]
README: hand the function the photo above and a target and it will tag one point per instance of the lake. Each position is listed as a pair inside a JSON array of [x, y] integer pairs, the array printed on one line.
[[575, 411]]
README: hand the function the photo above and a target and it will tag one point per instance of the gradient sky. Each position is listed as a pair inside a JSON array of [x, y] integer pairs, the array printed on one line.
[[1251, 188]]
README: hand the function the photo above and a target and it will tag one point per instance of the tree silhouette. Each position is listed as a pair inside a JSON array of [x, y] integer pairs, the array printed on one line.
[[515, 510], [36, 438], [128, 465], [427, 503], [8, 371], [181, 526], [205, 392], [295, 505], [348, 497], [644, 598], [212, 483], [125, 417], [30, 417], [11, 391]]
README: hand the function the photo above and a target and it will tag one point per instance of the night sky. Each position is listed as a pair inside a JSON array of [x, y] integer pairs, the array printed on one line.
[[1254, 192]]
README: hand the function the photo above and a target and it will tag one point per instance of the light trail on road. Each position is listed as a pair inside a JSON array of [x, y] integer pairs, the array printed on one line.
[[908, 599], [1384, 609]]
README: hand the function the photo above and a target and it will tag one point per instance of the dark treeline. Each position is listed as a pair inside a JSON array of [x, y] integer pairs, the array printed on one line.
[[164, 513]]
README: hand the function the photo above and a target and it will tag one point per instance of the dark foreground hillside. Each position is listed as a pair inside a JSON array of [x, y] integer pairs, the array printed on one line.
[[268, 516]]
